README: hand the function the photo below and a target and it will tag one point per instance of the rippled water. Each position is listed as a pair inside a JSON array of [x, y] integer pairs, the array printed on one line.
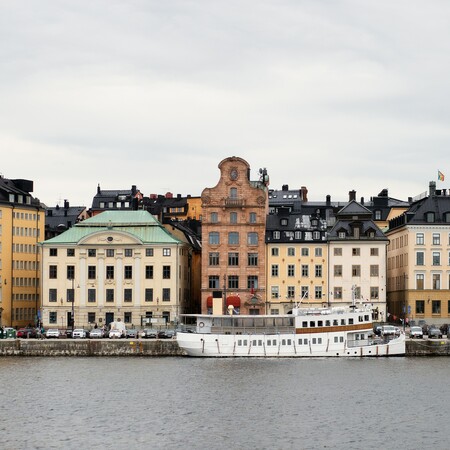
[[186, 403]]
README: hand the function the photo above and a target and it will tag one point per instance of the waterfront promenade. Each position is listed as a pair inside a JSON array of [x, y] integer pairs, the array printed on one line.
[[155, 347]]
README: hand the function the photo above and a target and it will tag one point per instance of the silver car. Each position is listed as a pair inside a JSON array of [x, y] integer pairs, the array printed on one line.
[[416, 332], [52, 333], [96, 333]]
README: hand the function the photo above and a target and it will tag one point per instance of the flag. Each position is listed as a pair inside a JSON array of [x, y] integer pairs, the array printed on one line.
[[441, 176]]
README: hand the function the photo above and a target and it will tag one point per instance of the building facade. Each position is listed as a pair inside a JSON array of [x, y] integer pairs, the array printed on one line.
[[233, 249], [115, 265], [22, 225]]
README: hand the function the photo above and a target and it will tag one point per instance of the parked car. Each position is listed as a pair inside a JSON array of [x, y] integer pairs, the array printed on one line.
[[114, 334], [416, 332], [132, 333], [434, 333], [397, 331], [96, 333], [52, 333], [170, 334], [149, 333], [80, 333], [25, 333], [388, 330]]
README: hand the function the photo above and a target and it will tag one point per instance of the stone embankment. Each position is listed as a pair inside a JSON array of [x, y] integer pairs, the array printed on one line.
[[156, 347], [89, 347]]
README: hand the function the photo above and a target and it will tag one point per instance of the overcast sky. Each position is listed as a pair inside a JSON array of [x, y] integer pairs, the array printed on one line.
[[331, 95]]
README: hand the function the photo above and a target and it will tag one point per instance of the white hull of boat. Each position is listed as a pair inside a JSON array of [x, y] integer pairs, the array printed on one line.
[[284, 345]]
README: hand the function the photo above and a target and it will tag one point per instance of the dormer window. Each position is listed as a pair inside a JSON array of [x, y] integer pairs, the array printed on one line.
[[377, 214], [341, 234], [284, 222], [429, 217], [447, 217]]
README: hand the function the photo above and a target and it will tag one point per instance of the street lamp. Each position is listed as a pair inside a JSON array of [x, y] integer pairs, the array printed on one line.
[[73, 305]]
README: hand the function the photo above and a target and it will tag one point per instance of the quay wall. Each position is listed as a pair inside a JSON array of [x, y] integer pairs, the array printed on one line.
[[156, 347]]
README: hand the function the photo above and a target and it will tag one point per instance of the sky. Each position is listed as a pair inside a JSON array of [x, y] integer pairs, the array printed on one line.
[[328, 94]]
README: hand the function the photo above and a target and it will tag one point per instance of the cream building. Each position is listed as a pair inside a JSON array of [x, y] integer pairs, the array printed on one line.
[[115, 265]]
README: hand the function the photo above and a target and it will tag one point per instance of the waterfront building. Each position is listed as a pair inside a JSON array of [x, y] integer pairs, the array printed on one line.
[[233, 248], [357, 260], [116, 265], [60, 218], [22, 225], [419, 260]]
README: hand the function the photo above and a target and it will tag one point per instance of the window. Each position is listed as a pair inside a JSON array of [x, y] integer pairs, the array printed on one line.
[[70, 252], [318, 292], [92, 295], [356, 252], [356, 271], [274, 270], [274, 293], [149, 272], [291, 270], [127, 317], [233, 238], [233, 192], [110, 272], [291, 251], [420, 278], [429, 217], [233, 217], [53, 272], [436, 259], [252, 238], [92, 252], [214, 282], [373, 252], [276, 235], [53, 317], [109, 295], [233, 282], [166, 272], [318, 252], [252, 282], [148, 252], [291, 292], [436, 239], [252, 217], [337, 293], [70, 295], [420, 306], [337, 251], [419, 239], [128, 252], [420, 259], [52, 295], [128, 295], [275, 251], [305, 270], [166, 252], [70, 272], [148, 294], [92, 272], [128, 272], [252, 259], [436, 281], [341, 234], [305, 251], [214, 238], [110, 253], [374, 292], [338, 270], [305, 291], [233, 259], [435, 306], [318, 271], [377, 214], [374, 271], [166, 295], [214, 217], [53, 252]]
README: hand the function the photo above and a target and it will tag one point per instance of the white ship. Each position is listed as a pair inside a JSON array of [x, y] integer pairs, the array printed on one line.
[[318, 332]]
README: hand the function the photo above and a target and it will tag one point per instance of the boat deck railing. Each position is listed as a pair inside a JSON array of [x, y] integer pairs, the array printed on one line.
[[252, 330]]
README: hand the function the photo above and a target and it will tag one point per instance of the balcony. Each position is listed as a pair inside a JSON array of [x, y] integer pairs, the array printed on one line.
[[231, 202]]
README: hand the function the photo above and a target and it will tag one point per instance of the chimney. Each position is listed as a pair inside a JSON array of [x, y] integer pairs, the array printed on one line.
[[328, 197], [133, 190], [351, 195], [66, 204], [304, 192], [98, 189], [285, 187], [432, 188], [362, 200]]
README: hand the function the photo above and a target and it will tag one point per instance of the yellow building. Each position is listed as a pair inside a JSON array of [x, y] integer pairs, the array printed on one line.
[[22, 226]]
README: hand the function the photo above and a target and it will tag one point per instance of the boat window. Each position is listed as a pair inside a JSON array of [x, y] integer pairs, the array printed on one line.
[[341, 339], [304, 324], [319, 340], [305, 341], [327, 323], [274, 342], [336, 339], [260, 342], [335, 322], [350, 321], [320, 323], [366, 318], [245, 342], [312, 324], [342, 321], [254, 342], [314, 340], [360, 318], [269, 342], [283, 342], [239, 342], [289, 342]]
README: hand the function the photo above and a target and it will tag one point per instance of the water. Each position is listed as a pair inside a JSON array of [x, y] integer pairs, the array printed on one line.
[[186, 403]]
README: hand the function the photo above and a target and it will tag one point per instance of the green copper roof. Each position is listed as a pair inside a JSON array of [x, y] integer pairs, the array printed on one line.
[[140, 224]]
